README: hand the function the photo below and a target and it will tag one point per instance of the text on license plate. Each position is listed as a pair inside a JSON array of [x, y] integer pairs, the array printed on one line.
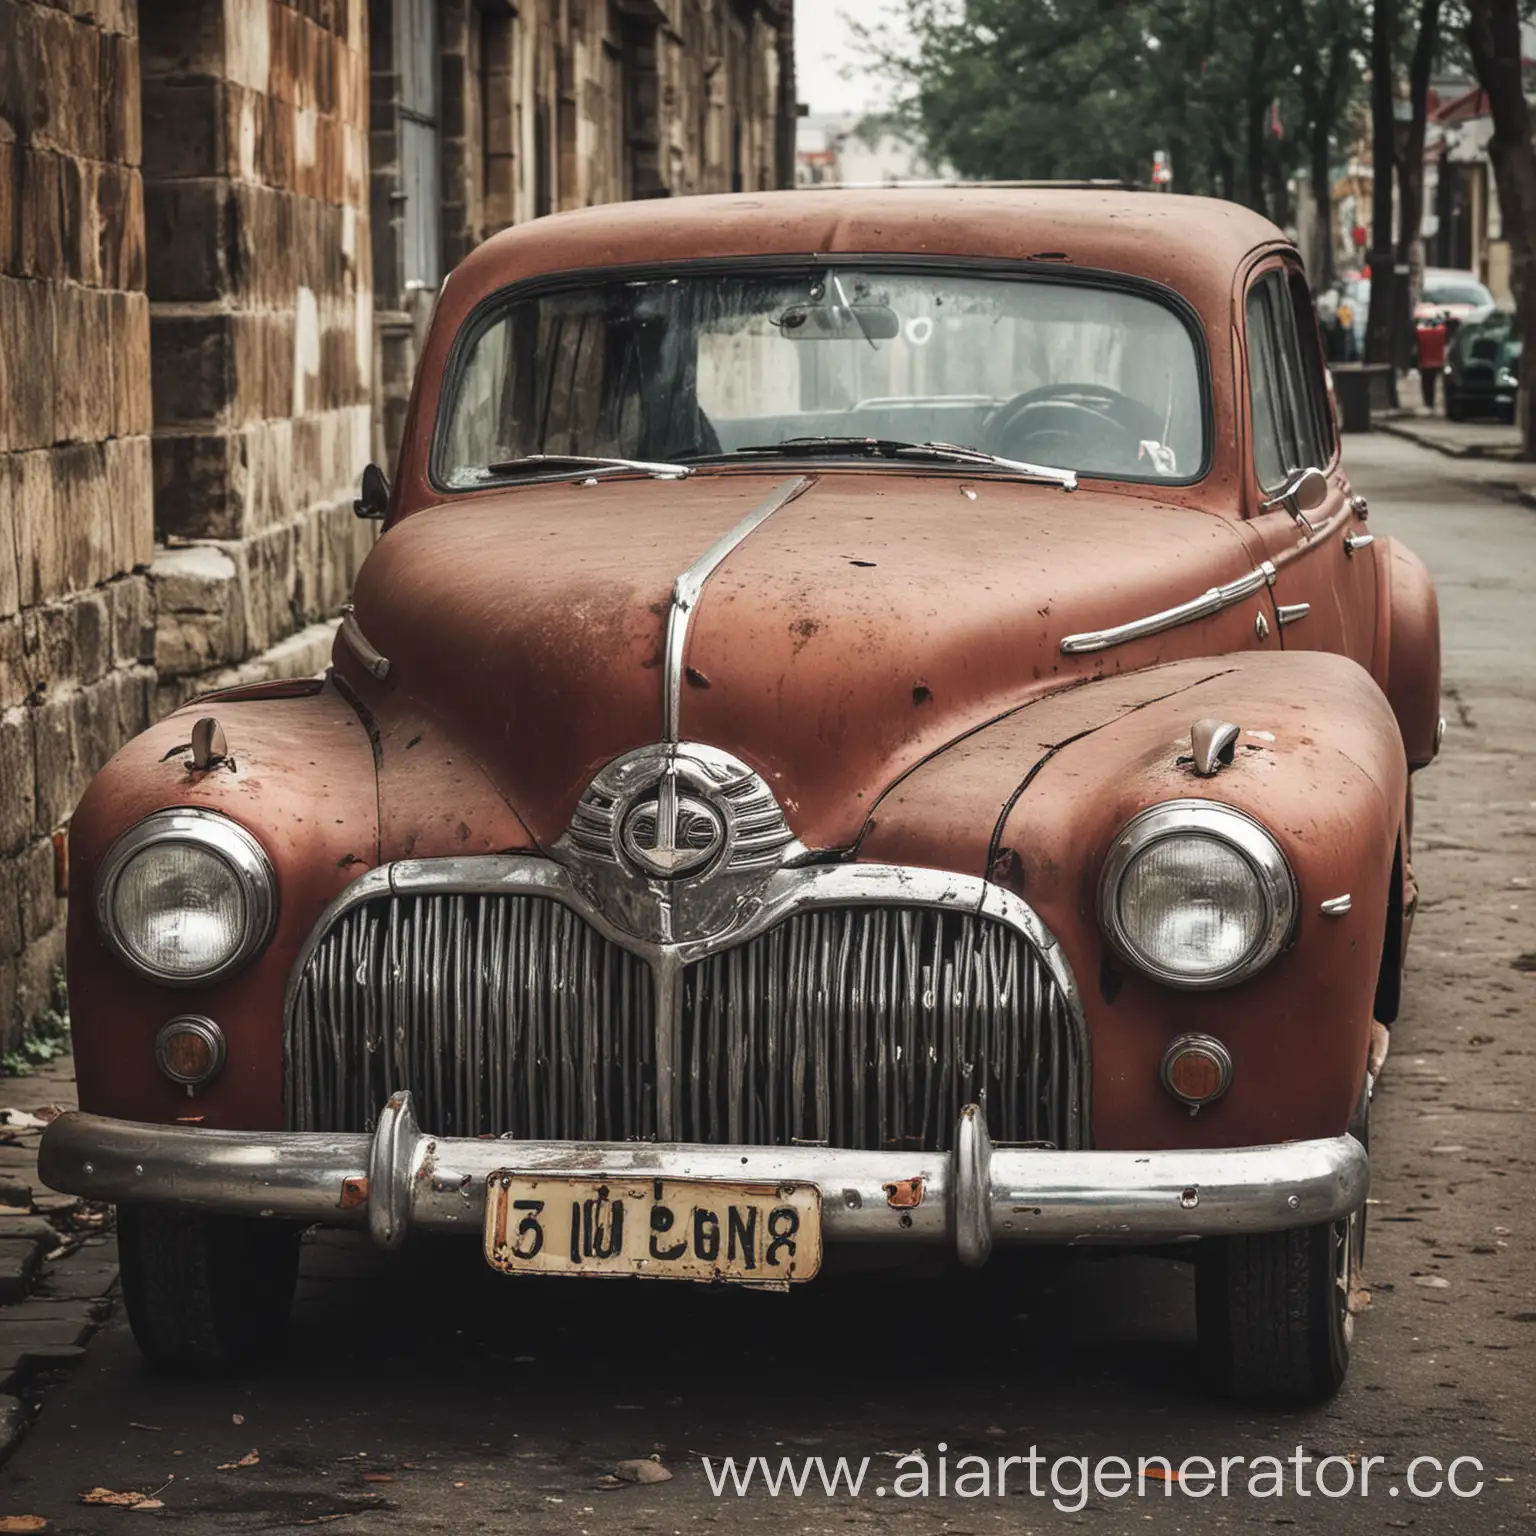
[[682, 1229]]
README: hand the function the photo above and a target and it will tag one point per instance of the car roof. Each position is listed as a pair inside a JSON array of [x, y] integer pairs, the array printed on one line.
[[1192, 244]]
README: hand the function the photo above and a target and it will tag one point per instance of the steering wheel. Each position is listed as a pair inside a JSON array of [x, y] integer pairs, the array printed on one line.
[[1055, 423]]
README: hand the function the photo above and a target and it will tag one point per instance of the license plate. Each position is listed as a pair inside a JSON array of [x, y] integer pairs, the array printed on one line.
[[673, 1229]]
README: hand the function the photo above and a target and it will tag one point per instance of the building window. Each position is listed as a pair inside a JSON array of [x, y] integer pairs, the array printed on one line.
[[420, 169]]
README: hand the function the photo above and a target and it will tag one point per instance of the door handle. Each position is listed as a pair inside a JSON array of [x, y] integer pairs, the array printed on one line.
[[1358, 541]]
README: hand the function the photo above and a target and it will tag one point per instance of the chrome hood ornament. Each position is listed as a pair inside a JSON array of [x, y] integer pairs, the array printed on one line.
[[669, 834], [674, 843]]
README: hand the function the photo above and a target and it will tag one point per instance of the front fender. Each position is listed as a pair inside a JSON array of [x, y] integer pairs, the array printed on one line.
[[300, 778], [1035, 800]]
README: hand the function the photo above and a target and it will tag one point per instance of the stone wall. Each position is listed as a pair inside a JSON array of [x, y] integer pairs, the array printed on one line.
[[76, 513], [261, 320]]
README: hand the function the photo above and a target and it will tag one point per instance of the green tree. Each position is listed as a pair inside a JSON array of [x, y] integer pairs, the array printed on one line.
[[1242, 94]]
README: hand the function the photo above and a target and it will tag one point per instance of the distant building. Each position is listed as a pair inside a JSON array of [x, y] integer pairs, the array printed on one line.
[[841, 149]]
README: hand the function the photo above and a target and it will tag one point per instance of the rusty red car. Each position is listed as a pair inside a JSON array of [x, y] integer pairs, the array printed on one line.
[[874, 719]]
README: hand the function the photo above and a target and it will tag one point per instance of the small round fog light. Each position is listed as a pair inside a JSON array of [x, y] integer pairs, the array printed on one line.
[[190, 1050], [1197, 1069]]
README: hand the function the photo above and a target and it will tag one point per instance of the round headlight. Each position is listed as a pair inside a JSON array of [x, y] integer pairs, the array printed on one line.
[[1196, 894], [186, 896]]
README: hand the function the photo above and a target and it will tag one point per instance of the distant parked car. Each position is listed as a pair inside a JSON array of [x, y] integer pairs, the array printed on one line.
[[1482, 368], [1449, 299]]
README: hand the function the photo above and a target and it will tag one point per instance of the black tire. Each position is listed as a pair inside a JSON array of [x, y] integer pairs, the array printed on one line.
[[1273, 1313], [205, 1292], [1454, 409]]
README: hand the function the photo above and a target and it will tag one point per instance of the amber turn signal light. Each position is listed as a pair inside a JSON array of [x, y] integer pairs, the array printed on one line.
[[190, 1050], [1197, 1069]]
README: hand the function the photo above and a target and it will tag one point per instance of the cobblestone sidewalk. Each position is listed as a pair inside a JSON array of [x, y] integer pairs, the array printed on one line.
[[57, 1259]]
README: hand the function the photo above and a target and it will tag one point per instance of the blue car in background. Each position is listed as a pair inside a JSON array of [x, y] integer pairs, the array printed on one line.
[[1482, 368]]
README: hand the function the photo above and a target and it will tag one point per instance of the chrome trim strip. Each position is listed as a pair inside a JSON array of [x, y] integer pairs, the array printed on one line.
[[786, 892], [1290, 613], [438, 1183], [688, 588], [351, 631], [1209, 602]]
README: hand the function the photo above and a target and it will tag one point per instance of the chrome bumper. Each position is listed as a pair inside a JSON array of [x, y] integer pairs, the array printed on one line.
[[977, 1195]]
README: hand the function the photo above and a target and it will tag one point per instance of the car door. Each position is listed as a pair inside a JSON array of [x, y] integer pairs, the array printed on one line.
[[1324, 589]]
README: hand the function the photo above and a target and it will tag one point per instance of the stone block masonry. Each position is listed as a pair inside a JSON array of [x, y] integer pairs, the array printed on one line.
[[76, 476]]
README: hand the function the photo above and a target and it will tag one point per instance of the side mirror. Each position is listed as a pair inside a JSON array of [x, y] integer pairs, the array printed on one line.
[[374, 500], [1306, 492]]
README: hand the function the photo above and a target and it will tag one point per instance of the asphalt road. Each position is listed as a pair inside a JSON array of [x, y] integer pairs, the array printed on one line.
[[428, 1394]]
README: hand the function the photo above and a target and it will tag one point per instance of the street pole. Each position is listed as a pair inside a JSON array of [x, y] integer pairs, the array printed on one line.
[[1378, 326]]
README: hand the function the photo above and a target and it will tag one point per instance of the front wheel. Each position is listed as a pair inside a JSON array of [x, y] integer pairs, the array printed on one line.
[[1274, 1311], [205, 1291]]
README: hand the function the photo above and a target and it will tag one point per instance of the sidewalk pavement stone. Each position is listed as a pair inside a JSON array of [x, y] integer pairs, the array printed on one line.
[[56, 1269]]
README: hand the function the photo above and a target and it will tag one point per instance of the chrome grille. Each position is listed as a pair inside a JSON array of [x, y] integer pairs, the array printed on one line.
[[859, 1026], [873, 1027], [499, 1013]]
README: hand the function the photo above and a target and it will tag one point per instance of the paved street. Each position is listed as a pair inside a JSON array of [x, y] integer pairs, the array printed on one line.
[[427, 1394]]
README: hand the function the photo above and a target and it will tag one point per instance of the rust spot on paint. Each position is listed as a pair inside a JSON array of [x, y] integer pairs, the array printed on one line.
[[354, 1192], [1109, 981], [922, 694], [904, 1194], [1007, 866], [695, 677]]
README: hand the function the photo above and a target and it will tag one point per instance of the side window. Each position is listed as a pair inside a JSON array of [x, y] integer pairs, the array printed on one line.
[[1291, 425], [1314, 375], [1271, 437]]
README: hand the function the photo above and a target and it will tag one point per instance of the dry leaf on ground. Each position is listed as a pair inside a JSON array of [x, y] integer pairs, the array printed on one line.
[[642, 1470], [22, 1523], [250, 1459], [112, 1498]]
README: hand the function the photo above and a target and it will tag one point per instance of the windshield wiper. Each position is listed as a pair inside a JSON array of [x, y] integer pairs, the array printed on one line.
[[895, 448], [579, 464]]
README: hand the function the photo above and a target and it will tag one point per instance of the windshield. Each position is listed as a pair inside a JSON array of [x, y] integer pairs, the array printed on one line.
[[684, 368]]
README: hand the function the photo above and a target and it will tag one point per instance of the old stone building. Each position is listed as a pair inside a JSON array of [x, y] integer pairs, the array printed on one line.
[[222, 224]]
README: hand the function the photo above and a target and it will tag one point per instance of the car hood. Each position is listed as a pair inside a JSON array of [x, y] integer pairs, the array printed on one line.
[[872, 619]]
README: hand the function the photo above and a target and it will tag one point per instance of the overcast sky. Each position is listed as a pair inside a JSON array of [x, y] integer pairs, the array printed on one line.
[[823, 47]]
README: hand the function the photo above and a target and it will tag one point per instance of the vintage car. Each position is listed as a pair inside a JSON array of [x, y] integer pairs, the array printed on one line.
[[1482, 368], [1448, 301], [874, 718]]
